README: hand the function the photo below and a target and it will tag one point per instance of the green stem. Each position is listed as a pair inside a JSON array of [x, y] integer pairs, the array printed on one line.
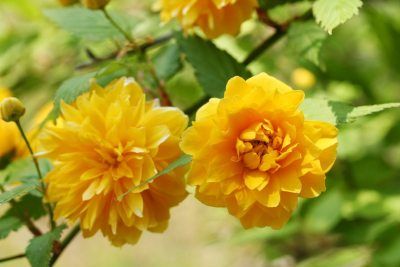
[[36, 163], [70, 236], [119, 28], [264, 46], [12, 258]]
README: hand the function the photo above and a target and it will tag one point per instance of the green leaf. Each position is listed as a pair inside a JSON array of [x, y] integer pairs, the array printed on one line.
[[331, 13], [11, 221], [338, 112], [344, 257], [324, 213], [40, 248], [9, 224], [83, 22], [70, 90], [213, 67], [168, 62], [23, 170], [284, 13], [181, 161], [16, 192], [305, 39]]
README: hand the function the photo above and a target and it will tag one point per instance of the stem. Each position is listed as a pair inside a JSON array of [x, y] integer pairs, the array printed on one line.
[[142, 47], [71, 235], [12, 258], [24, 217], [264, 46], [119, 28], [35, 161]]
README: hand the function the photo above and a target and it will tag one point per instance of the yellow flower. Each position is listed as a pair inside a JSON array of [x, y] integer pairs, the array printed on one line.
[[254, 153], [11, 143], [95, 4], [214, 17], [303, 78], [105, 143]]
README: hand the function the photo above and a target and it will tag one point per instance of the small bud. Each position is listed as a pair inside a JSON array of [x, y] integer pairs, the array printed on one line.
[[303, 78], [95, 4], [67, 2], [11, 109]]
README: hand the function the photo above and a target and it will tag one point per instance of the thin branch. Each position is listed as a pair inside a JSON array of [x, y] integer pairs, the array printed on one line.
[[127, 36], [264, 46], [35, 161], [12, 258], [141, 48], [67, 240]]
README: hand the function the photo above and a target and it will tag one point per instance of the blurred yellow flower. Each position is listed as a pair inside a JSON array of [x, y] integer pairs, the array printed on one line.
[[214, 17], [254, 153], [303, 78], [95, 4], [105, 143], [11, 143]]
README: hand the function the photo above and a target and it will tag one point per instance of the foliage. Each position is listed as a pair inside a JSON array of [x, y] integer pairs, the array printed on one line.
[[51, 53]]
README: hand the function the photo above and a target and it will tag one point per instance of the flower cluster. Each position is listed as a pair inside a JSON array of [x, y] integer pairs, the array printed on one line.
[[254, 153], [108, 142], [214, 17]]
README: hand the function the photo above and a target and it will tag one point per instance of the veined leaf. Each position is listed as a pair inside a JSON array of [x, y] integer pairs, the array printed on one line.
[[337, 112], [167, 62], [305, 39], [331, 13], [181, 161], [11, 220], [213, 67], [83, 22], [40, 248], [16, 192]]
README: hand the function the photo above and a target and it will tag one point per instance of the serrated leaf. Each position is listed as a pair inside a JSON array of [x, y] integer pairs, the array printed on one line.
[[213, 67], [10, 221], [9, 224], [305, 39], [331, 13], [83, 22], [70, 90], [337, 112], [24, 170], [40, 248], [168, 62], [181, 161], [16, 192], [362, 111]]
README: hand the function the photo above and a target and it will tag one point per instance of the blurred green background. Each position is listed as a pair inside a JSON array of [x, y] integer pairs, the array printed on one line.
[[355, 223]]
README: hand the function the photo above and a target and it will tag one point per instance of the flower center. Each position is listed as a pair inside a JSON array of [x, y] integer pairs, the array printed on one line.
[[259, 146]]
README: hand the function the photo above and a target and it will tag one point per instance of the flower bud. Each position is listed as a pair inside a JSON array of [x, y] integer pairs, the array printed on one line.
[[11, 109], [303, 78], [67, 2], [95, 4]]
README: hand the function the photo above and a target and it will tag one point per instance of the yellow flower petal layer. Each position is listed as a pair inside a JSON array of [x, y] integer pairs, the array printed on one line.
[[214, 17], [107, 142], [254, 153]]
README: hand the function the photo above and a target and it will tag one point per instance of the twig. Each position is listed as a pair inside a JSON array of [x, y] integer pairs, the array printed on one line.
[[264, 46], [70, 236], [119, 28], [35, 161], [141, 48], [12, 258]]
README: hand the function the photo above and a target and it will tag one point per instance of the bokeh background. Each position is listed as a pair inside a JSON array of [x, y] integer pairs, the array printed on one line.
[[355, 223]]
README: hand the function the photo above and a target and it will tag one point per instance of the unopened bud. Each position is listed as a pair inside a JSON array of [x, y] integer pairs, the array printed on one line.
[[67, 2], [11, 109], [95, 4]]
